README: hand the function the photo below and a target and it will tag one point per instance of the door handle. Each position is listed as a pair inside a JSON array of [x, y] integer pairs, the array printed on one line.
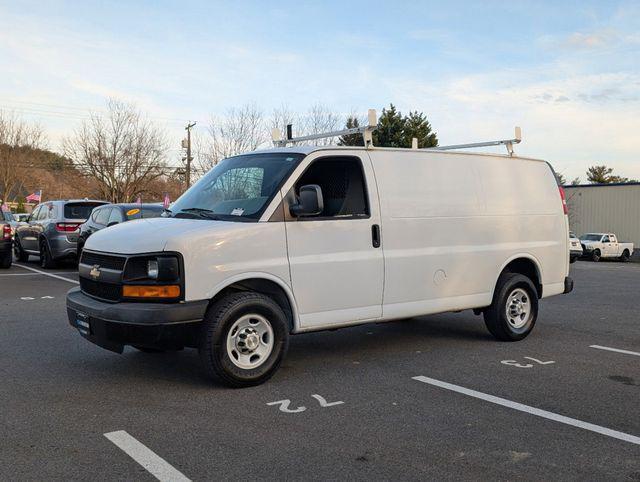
[[375, 235]]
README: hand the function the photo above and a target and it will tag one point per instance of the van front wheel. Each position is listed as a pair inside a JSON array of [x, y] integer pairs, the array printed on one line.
[[513, 312], [244, 339]]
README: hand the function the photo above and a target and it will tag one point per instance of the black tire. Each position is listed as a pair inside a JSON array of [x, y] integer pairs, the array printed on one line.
[[145, 349], [46, 260], [21, 254], [625, 256], [495, 316], [220, 318], [573, 259], [595, 256], [7, 259]]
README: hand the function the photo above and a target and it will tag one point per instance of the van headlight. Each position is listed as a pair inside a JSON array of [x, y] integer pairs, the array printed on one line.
[[153, 277], [152, 268], [158, 268]]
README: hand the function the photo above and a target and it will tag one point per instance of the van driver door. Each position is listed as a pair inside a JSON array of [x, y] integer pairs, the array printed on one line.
[[335, 257]]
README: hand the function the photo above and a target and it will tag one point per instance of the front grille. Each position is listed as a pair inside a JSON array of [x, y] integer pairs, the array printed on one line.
[[106, 291], [103, 260]]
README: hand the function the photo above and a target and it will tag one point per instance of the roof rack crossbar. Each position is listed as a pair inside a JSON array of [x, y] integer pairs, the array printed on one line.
[[508, 143], [366, 132]]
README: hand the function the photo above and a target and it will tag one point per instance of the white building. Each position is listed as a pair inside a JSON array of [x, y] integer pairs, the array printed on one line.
[[611, 208]]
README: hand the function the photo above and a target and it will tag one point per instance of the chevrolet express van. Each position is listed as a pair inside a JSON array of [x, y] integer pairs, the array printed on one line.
[[300, 239]]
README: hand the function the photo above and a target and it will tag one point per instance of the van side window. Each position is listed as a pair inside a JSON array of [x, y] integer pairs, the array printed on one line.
[[343, 186]]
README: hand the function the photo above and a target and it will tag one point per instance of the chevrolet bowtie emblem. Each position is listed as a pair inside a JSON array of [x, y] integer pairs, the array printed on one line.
[[95, 271]]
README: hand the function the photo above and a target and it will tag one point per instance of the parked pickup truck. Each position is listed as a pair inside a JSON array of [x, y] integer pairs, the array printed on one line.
[[605, 245]]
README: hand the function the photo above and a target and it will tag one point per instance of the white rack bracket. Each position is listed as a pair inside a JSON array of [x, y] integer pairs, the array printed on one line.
[[366, 131], [508, 143]]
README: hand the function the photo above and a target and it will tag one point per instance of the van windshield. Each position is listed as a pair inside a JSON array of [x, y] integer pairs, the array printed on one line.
[[238, 188], [590, 237]]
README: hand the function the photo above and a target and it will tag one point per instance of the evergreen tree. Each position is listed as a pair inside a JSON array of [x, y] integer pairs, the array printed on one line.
[[390, 132], [604, 175], [561, 179], [416, 125], [394, 130], [351, 139]]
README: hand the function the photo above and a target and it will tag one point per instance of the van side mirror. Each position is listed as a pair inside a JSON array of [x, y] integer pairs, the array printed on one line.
[[310, 202]]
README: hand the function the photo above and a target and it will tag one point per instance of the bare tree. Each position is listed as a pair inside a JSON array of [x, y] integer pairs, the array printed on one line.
[[241, 130], [17, 138], [283, 116], [122, 150], [320, 119]]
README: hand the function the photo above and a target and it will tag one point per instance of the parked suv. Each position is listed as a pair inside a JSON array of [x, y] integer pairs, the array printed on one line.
[[51, 230], [112, 214]]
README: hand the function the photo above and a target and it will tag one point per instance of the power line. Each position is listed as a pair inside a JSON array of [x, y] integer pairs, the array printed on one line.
[[34, 109]]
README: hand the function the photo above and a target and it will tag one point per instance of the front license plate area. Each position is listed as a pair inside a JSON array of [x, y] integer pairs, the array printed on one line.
[[83, 324]]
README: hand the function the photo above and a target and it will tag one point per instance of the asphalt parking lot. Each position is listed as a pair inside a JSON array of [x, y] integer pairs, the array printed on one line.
[[418, 397]]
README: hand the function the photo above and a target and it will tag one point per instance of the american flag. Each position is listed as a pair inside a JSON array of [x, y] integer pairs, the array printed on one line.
[[35, 196]]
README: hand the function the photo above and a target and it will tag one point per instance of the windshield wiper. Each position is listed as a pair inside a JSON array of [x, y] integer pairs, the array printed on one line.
[[203, 213]]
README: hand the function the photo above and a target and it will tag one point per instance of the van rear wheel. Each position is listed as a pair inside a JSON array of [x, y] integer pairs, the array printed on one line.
[[244, 339], [513, 312]]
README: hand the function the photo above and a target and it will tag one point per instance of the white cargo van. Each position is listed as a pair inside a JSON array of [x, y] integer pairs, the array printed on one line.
[[299, 239]]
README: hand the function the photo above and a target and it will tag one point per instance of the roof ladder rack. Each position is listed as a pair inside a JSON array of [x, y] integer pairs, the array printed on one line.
[[508, 143], [366, 131]]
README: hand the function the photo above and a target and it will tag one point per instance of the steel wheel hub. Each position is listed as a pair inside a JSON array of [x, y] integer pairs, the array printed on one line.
[[250, 341], [518, 309]]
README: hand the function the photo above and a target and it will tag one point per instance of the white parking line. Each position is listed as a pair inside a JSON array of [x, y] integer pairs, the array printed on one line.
[[35, 274], [532, 410], [617, 350], [47, 274], [153, 463]]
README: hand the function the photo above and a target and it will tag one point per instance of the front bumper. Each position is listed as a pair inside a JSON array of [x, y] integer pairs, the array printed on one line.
[[150, 325]]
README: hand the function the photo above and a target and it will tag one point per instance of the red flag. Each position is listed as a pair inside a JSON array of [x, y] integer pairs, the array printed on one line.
[[166, 201], [35, 196]]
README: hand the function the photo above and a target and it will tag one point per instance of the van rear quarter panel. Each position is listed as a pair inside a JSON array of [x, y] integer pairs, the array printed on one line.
[[451, 222]]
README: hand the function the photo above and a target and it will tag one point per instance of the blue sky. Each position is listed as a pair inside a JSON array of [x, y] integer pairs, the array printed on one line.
[[567, 72]]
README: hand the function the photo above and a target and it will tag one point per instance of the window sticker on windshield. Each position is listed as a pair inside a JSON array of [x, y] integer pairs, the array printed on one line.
[[237, 212]]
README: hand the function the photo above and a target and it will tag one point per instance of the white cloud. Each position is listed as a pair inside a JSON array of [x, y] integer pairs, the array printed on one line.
[[558, 124]]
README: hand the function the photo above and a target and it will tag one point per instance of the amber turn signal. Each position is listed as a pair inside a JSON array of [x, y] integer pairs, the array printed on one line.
[[140, 291]]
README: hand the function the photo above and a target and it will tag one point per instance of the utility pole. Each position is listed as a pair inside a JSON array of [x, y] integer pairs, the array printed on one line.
[[189, 158]]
